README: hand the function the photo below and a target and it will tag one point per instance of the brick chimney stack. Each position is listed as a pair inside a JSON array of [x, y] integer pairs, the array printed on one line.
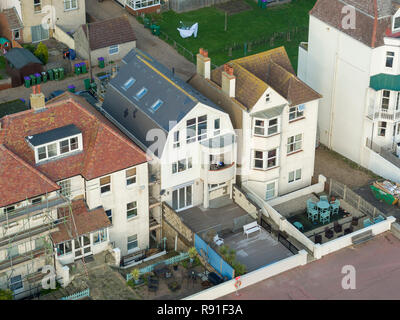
[[228, 81], [203, 63], [37, 98]]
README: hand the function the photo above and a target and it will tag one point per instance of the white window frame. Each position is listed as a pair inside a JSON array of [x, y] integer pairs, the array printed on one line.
[[129, 176], [73, 144], [105, 185], [390, 55], [266, 157], [264, 125], [385, 99], [20, 281], [197, 136], [35, 5], [65, 253], [134, 208], [109, 216], [132, 239], [295, 112], [294, 176], [396, 16], [187, 204], [112, 51], [19, 34], [100, 236], [65, 187], [274, 189], [382, 128], [70, 5], [182, 165], [176, 142], [298, 138], [217, 126]]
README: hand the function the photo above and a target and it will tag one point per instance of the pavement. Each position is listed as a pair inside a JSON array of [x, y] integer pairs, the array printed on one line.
[[147, 42], [377, 276]]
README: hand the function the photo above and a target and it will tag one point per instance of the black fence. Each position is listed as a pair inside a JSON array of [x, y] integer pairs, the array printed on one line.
[[282, 239]]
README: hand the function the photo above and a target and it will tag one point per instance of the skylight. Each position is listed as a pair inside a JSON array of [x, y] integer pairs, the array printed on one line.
[[156, 105], [128, 83], [141, 93]]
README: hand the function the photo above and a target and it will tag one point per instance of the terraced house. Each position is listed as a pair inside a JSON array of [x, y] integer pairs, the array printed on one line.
[[275, 115], [353, 59], [70, 186]]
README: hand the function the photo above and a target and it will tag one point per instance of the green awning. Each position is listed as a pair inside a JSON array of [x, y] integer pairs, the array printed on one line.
[[385, 82], [269, 113]]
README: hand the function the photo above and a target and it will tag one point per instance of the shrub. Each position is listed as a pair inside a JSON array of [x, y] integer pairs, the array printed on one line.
[[135, 274], [240, 269], [29, 46], [192, 252], [42, 53], [6, 294]]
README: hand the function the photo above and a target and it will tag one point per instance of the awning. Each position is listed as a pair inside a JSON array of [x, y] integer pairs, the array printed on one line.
[[385, 82]]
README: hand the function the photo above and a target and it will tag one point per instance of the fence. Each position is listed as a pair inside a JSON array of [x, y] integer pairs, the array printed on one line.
[[253, 277], [282, 239], [182, 256], [213, 258], [78, 295], [189, 5]]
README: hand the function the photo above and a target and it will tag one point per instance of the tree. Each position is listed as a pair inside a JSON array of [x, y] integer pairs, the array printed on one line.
[[42, 53], [6, 294]]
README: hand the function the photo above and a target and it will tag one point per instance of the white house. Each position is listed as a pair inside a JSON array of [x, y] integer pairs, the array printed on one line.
[[192, 139], [70, 186], [274, 114], [352, 59]]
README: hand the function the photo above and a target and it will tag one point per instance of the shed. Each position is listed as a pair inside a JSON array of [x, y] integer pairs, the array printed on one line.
[[20, 63]]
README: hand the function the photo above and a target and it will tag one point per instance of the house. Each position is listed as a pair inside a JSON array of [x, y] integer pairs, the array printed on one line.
[[111, 39], [11, 26], [71, 185], [356, 69], [191, 139], [21, 63], [274, 113], [66, 14]]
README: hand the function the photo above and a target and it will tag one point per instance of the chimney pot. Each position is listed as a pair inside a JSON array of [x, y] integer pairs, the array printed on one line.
[[205, 53]]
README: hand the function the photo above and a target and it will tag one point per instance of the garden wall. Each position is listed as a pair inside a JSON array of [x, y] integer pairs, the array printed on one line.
[[5, 84], [60, 35], [251, 278]]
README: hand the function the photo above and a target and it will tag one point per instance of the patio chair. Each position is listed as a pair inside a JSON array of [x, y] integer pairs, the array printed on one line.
[[335, 207], [337, 227], [311, 204], [312, 214], [217, 240], [328, 233], [323, 198], [325, 216]]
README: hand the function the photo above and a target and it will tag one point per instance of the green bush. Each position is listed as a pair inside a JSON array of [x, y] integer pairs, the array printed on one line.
[[29, 46], [42, 53], [240, 269], [6, 294]]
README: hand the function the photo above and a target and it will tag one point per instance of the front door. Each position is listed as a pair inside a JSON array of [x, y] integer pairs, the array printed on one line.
[[182, 198], [82, 246]]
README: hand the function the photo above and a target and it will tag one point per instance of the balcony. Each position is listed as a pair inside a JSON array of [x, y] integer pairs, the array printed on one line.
[[385, 115], [215, 175]]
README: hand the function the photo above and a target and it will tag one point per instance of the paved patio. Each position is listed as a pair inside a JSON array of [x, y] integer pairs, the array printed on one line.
[[295, 206]]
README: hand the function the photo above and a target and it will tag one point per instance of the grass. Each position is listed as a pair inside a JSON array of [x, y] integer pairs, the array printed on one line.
[[2, 66], [11, 107], [254, 26]]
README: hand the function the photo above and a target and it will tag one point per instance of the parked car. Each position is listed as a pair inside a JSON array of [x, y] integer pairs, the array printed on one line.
[[214, 278]]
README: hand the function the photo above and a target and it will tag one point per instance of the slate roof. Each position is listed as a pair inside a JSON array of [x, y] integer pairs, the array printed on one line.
[[256, 73], [105, 149], [86, 221], [21, 57], [371, 25], [135, 115], [14, 22], [19, 180], [52, 135], [110, 32]]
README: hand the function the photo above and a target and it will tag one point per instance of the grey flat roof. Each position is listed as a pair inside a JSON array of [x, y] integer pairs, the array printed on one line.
[[52, 135], [20, 57]]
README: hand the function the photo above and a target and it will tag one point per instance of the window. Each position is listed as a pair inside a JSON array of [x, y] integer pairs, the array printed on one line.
[[105, 184], [48, 151], [37, 6], [182, 198], [382, 128], [132, 242], [36, 200], [156, 105], [68, 145], [267, 98], [64, 248], [109, 214], [181, 165], [294, 175], [296, 112], [196, 129], [130, 176], [113, 49], [385, 100], [11, 225], [396, 24], [389, 59], [100, 236], [128, 83], [16, 34], [217, 127], [70, 4], [141, 93], [294, 143], [39, 243], [270, 193], [398, 101], [42, 153], [51, 150], [265, 159], [65, 188], [266, 127], [131, 209], [176, 140], [9, 209], [16, 283]]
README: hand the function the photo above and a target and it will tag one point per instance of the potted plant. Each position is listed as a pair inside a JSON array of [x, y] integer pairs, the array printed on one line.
[[192, 254], [135, 275]]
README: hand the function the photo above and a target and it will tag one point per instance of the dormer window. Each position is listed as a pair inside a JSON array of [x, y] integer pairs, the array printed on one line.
[[68, 145]]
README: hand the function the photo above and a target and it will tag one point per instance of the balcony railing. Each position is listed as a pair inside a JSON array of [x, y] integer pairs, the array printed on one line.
[[383, 114], [216, 175]]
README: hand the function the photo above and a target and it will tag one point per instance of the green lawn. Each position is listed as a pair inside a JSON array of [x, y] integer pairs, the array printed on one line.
[[254, 27], [12, 107], [2, 66]]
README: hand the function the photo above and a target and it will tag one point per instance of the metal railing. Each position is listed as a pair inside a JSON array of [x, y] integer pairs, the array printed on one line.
[[78, 295]]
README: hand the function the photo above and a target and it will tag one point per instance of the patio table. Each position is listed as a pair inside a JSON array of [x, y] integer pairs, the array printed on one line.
[[323, 205]]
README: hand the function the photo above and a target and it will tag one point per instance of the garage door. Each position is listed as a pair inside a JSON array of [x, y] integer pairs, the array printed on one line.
[[39, 33]]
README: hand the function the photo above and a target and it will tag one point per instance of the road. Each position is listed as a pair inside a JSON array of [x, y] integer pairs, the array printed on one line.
[[154, 46]]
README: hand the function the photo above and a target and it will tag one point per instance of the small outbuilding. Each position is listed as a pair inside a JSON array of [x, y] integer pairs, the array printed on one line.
[[20, 63]]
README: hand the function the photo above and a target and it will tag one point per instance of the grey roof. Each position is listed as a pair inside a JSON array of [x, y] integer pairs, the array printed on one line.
[[53, 135], [178, 98], [20, 57], [269, 113]]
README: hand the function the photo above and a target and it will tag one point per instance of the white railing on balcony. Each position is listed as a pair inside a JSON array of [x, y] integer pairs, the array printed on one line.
[[382, 114], [220, 175]]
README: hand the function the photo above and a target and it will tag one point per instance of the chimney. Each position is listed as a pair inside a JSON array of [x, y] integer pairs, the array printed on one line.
[[203, 64], [37, 98], [228, 81]]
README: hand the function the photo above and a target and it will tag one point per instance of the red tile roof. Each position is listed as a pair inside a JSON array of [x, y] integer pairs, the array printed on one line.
[[105, 150], [86, 221], [19, 180]]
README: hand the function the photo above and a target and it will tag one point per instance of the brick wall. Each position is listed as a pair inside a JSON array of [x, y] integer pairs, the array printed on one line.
[[5, 84], [145, 10]]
